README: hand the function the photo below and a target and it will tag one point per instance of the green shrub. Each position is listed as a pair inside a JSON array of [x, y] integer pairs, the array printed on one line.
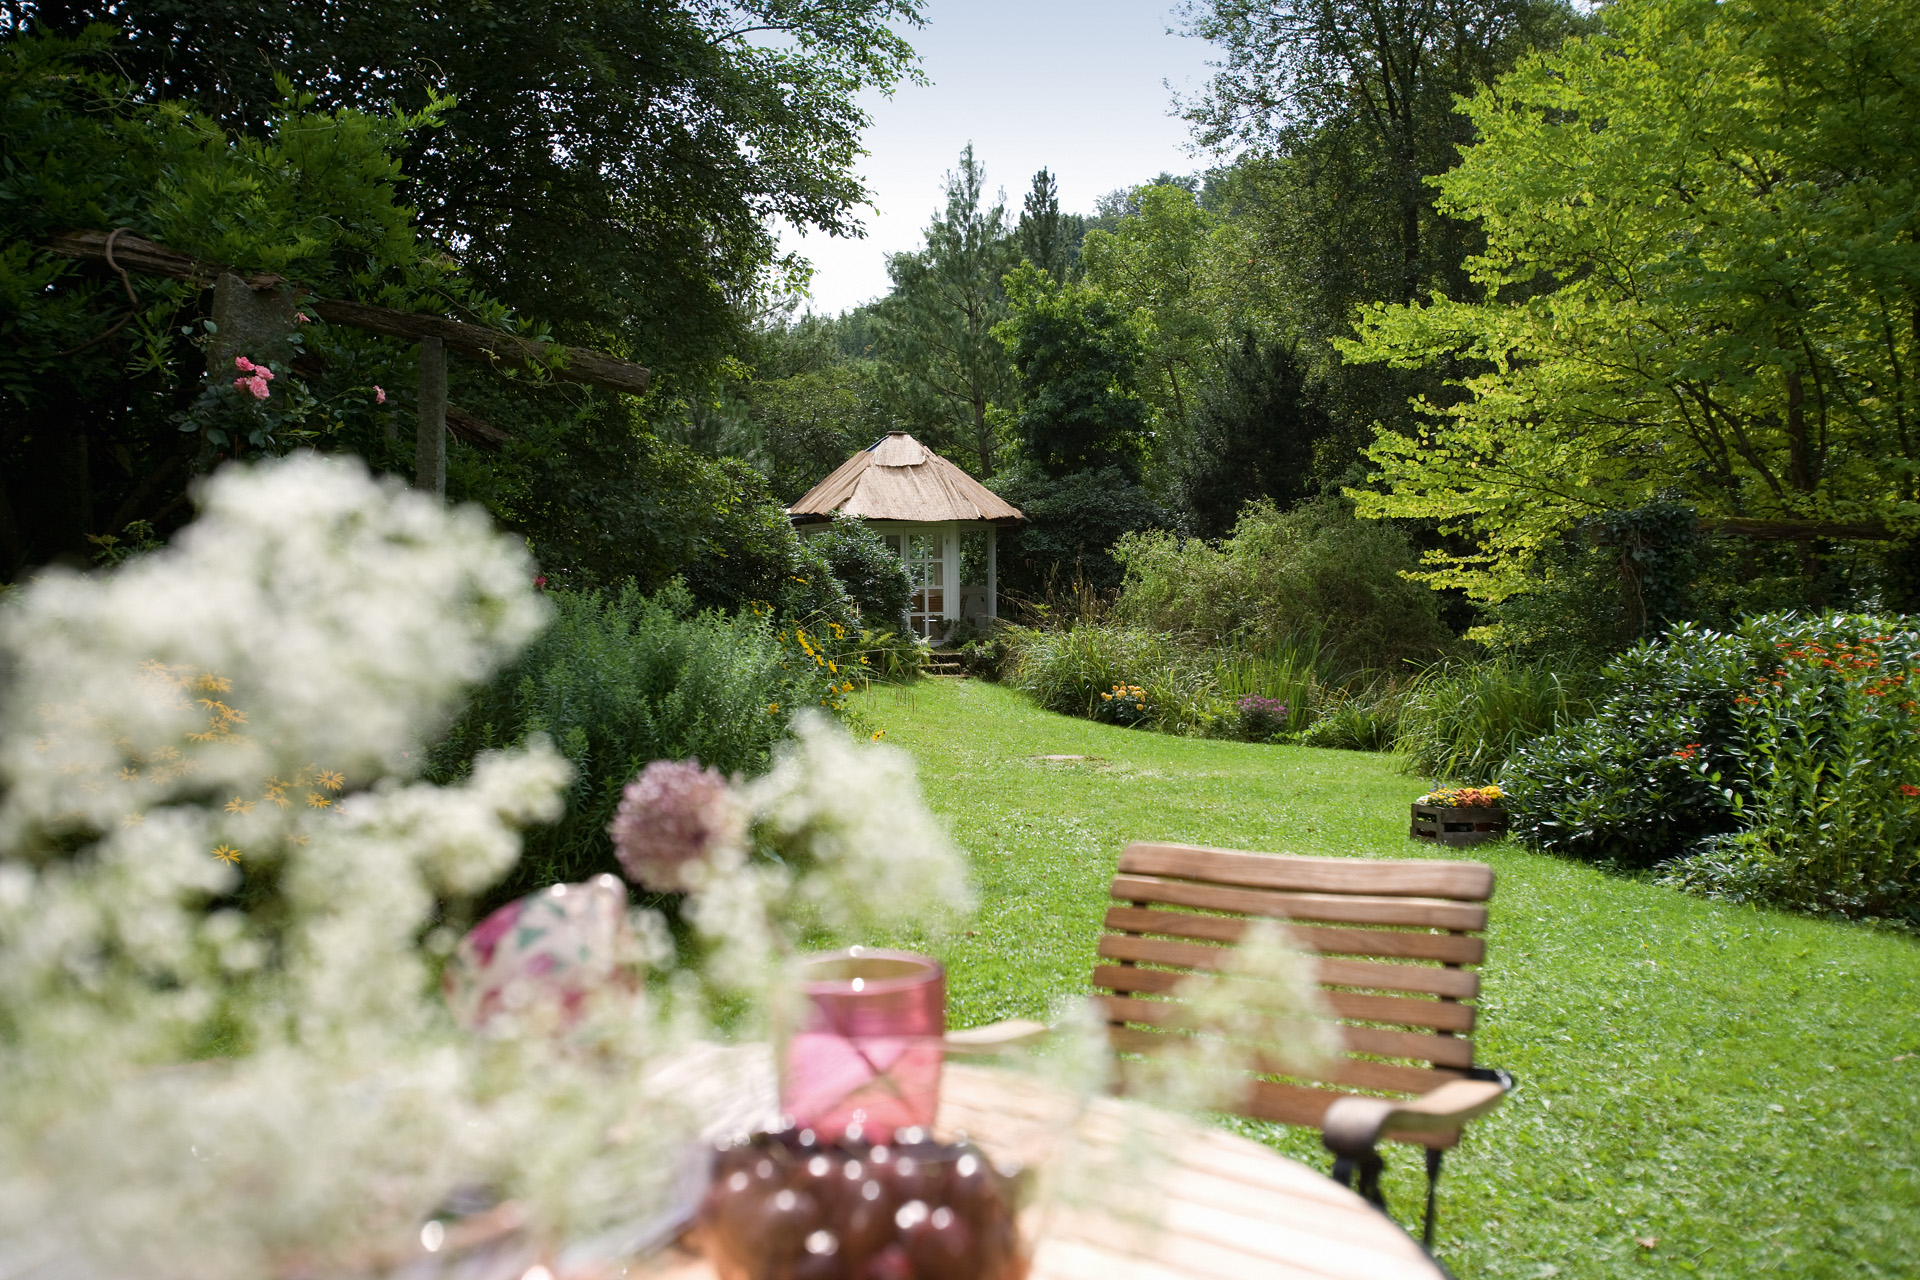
[[1779, 763], [621, 679], [1829, 734], [874, 577], [1314, 572], [1463, 722], [1653, 769], [1068, 670], [1364, 716]]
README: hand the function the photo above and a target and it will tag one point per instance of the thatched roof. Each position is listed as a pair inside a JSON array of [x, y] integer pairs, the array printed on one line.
[[901, 479]]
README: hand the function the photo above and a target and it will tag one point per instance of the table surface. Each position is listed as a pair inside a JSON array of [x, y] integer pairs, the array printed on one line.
[[1129, 1192]]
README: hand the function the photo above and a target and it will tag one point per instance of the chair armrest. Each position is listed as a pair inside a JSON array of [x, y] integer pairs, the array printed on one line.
[[1012, 1033], [1353, 1125]]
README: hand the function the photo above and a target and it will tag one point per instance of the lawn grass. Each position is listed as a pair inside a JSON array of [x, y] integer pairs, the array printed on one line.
[[1742, 1087]]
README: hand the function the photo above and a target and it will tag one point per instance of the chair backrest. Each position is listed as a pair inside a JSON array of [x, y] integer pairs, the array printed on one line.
[[1393, 939]]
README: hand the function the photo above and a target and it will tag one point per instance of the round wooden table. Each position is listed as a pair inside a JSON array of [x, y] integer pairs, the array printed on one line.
[[1129, 1192]]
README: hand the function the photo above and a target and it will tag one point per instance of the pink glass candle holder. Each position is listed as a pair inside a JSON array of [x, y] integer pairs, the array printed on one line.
[[865, 1058]]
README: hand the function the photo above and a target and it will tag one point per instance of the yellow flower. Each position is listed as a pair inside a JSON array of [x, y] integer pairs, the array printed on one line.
[[772, 707], [330, 780], [833, 667], [299, 840], [318, 801], [227, 854], [878, 734], [238, 805], [133, 819], [129, 774]]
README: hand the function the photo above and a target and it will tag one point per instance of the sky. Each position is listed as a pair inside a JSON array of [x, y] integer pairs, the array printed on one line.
[[1077, 86]]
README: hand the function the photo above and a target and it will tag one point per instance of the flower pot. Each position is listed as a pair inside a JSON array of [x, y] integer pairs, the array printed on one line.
[[1457, 825]]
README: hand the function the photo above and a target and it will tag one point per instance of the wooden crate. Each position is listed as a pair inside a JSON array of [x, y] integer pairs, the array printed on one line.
[[1457, 825]]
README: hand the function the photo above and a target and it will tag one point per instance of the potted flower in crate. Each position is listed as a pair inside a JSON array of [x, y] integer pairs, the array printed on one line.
[[1459, 815]]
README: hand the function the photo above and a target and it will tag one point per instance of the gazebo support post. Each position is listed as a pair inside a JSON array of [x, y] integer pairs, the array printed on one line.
[[993, 573]]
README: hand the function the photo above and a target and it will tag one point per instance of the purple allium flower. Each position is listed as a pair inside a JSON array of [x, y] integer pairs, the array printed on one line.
[[674, 815]]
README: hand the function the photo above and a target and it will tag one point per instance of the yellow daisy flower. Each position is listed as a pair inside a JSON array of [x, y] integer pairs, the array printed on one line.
[[227, 854]]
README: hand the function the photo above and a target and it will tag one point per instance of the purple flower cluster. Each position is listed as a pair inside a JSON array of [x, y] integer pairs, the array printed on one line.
[[1261, 718], [673, 816]]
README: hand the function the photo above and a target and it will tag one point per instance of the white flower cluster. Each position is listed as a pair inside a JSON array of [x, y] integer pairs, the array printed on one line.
[[856, 851], [222, 1049], [1261, 1014]]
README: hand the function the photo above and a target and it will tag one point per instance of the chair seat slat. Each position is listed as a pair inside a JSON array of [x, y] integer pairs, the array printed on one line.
[[1457, 984], [1358, 1073], [1414, 878], [1448, 948], [1437, 1015], [1424, 913]]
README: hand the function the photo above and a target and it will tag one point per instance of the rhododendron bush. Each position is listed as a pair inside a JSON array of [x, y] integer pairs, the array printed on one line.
[[224, 892]]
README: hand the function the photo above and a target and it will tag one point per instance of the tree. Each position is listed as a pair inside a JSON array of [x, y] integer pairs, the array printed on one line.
[[1373, 83], [1254, 432], [1701, 281], [1048, 238], [936, 327], [110, 407], [615, 169], [1173, 263], [1078, 359], [1341, 112], [1081, 435]]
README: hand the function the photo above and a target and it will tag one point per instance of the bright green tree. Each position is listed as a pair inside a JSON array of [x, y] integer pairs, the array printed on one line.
[[1701, 280]]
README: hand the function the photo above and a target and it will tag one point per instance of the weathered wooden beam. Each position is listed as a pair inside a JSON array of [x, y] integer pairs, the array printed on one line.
[[471, 341], [475, 430], [1797, 530]]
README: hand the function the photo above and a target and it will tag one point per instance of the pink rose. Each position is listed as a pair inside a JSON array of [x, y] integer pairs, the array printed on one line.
[[262, 372], [301, 316], [257, 385], [244, 365], [379, 396]]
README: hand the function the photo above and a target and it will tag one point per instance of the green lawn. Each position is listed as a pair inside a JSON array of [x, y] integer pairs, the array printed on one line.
[[1740, 1086]]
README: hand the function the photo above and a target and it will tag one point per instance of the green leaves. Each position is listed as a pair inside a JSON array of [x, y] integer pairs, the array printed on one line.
[[1701, 278]]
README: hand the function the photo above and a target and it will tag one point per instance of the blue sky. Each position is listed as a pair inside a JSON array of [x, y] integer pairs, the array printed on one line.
[[1073, 85]]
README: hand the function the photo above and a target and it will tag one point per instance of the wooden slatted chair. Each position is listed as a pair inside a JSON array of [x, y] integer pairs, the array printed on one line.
[[1395, 940]]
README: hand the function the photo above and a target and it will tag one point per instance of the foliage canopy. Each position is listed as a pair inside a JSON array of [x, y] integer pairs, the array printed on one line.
[[1701, 281]]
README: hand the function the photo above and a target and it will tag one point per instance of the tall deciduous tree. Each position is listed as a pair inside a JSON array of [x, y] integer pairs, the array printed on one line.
[[1702, 279], [614, 167], [936, 327], [1078, 358]]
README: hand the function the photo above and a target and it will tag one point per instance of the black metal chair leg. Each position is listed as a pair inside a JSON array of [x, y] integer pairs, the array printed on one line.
[[1433, 1182]]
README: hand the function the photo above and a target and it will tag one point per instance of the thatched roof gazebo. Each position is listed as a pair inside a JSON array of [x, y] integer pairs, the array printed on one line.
[[923, 507]]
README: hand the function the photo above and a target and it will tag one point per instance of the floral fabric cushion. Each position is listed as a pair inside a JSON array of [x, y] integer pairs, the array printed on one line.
[[539, 958]]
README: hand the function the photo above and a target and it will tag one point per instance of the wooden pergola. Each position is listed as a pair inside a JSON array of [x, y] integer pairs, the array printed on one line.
[[922, 506]]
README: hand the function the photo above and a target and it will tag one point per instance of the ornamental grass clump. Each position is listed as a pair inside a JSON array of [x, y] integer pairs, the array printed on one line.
[[224, 1050]]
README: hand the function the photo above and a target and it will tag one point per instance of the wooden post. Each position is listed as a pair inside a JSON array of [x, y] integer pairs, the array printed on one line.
[[993, 572], [430, 444]]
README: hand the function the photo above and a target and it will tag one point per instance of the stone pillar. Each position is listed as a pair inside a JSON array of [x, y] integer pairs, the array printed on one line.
[[430, 442]]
